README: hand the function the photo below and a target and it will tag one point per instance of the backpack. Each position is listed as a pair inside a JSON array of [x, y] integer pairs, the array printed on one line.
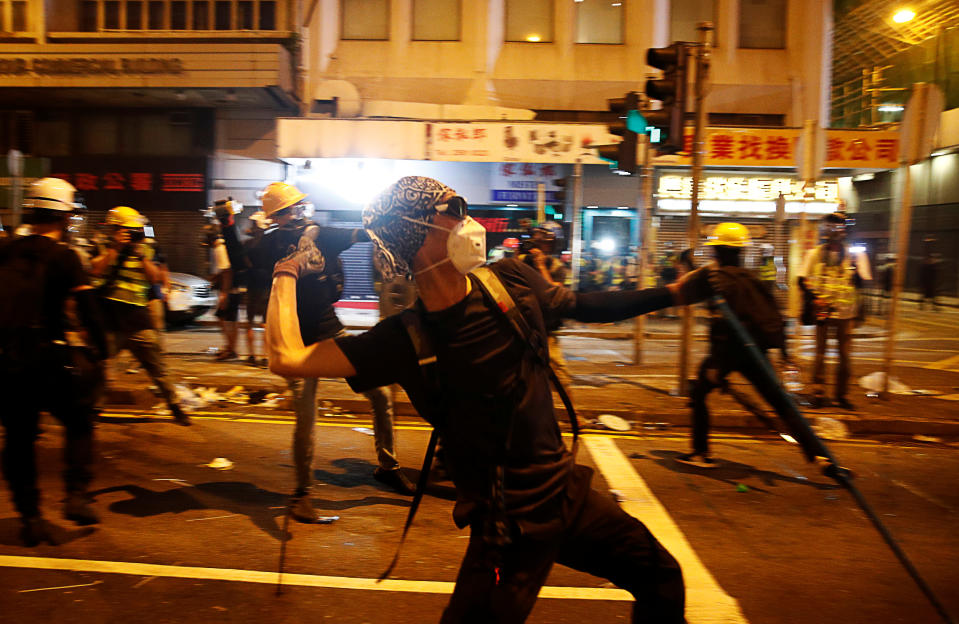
[[752, 303], [22, 286]]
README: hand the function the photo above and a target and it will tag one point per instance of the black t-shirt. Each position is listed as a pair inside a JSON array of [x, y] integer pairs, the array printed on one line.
[[315, 293], [485, 374], [38, 275]]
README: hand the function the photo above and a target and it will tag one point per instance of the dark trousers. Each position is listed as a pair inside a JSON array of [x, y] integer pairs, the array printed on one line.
[[843, 329], [712, 374], [602, 540], [26, 394]]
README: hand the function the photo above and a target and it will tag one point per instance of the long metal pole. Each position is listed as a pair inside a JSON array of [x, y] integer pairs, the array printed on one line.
[[577, 225], [645, 245], [699, 151], [921, 91]]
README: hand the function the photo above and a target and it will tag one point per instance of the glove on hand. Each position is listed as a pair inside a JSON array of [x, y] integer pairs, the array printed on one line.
[[305, 260]]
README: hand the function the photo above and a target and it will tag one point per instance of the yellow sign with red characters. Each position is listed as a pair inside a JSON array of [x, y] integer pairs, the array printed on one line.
[[776, 147]]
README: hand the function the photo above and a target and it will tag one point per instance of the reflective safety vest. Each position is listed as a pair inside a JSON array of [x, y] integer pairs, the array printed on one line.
[[767, 270], [834, 283], [131, 284]]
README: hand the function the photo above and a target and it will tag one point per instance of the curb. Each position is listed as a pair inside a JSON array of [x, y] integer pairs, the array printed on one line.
[[143, 398]]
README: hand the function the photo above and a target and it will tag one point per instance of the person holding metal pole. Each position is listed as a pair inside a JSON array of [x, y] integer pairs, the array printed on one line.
[[829, 279], [755, 306]]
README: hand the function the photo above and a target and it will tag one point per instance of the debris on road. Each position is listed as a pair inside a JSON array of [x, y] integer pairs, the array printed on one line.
[[742, 487], [874, 383], [220, 463], [613, 423], [830, 428], [365, 430], [925, 438]]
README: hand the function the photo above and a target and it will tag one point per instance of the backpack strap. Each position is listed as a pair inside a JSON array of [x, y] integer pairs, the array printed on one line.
[[427, 361], [495, 289]]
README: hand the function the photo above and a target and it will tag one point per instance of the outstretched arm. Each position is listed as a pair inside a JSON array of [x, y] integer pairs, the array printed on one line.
[[288, 356]]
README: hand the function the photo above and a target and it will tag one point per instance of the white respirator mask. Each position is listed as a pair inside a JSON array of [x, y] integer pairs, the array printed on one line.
[[465, 246]]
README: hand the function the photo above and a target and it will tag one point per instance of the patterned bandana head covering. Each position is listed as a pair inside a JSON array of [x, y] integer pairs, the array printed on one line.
[[396, 240]]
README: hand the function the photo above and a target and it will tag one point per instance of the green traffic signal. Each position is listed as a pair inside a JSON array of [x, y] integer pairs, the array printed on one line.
[[635, 122]]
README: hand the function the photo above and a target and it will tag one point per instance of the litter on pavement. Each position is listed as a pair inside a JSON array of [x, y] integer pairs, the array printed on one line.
[[220, 463], [830, 428], [874, 383], [613, 423]]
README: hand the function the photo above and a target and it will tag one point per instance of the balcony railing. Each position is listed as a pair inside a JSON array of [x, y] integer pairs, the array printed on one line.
[[155, 16]]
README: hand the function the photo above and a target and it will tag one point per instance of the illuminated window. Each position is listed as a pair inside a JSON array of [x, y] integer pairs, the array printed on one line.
[[436, 20], [600, 21], [762, 24], [365, 19], [684, 15], [529, 20]]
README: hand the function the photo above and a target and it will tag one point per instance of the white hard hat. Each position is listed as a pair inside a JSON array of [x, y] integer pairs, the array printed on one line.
[[51, 194], [280, 195]]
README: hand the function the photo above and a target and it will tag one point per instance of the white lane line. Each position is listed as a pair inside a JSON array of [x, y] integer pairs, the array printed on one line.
[[706, 602], [269, 578]]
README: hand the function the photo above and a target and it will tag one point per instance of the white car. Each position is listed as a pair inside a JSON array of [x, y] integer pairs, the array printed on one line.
[[189, 297]]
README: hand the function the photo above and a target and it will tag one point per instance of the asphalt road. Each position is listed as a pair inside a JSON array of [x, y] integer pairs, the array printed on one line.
[[763, 538]]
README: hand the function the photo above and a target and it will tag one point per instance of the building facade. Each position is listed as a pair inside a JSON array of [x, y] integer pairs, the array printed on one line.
[[112, 90]]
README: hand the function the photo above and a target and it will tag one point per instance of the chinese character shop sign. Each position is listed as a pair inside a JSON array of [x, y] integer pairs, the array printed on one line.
[[143, 183], [769, 147], [515, 142]]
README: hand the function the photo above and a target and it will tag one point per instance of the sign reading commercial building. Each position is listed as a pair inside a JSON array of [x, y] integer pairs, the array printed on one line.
[[46, 66]]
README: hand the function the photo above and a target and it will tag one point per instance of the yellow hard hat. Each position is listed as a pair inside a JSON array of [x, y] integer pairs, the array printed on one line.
[[729, 234], [124, 216], [280, 195]]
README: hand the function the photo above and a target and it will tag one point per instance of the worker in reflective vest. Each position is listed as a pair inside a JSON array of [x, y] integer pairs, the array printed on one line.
[[830, 277]]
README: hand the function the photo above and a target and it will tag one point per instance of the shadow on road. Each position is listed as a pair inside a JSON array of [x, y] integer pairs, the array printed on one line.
[[729, 472]]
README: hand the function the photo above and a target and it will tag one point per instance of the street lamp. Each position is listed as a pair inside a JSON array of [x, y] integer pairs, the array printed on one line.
[[903, 15]]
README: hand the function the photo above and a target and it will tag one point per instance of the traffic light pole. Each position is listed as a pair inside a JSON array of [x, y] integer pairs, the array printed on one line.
[[703, 53], [577, 229], [647, 247]]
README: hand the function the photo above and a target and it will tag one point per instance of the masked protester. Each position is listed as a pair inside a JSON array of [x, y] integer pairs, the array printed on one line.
[[283, 205], [829, 279], [753, 304], [541, 255], [48, 363], [126, 273], [486, 391]]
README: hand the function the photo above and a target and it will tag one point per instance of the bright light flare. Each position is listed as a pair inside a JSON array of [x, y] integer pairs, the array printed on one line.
[[533, 38], [903, 15]]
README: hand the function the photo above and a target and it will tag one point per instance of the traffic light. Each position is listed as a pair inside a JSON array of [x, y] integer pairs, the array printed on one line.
[[559, 196], [672, 91], [628, 122]]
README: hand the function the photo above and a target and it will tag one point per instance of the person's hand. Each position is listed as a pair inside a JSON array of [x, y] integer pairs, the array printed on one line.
[[121, 238], [539, 258], [305, 260], [224, 214]]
